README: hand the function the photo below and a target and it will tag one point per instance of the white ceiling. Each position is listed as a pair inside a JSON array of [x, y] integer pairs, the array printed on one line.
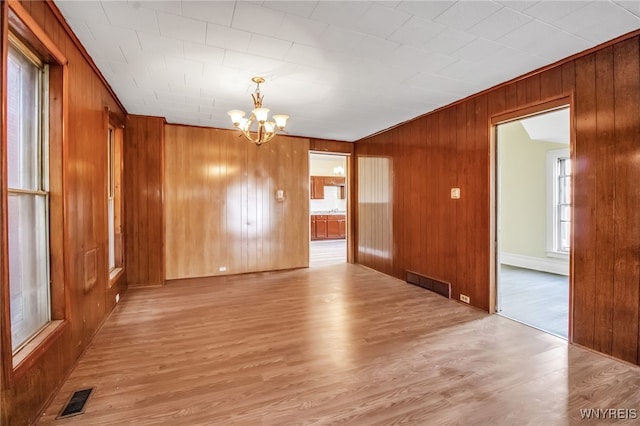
[[341, 69], [548, 127]]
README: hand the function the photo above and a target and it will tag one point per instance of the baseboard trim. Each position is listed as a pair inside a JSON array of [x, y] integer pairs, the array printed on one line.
[[551, 265]]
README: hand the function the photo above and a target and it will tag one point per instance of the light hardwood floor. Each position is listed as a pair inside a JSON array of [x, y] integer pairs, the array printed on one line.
[[535, 298], [327, 252], [340, 344]]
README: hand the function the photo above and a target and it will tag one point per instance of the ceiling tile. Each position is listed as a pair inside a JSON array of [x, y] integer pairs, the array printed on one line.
[[465, 14], [182, 28], [417, 32], [598, 21], [500, 23], [632, 6], [217, 12], [438, 83], [227, 38], [81, 30], [268, 46], [169, 6], [299, 8], [105, 51], [543, 40], [412, 58], [301, 30], [105, 35], [549, 12], [203, 53], [375, 48], [370, 22], [91, 12], [519, 5], [306, 55], [184, 67], [151, 43], [255, 19], [259, 65], [340, 13], [336, 39], [477, 50], [448, 41], [425, 9], [127, 15]]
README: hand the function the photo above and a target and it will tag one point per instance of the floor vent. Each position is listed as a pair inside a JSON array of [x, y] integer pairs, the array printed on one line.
[[76, 403], [440, 287]]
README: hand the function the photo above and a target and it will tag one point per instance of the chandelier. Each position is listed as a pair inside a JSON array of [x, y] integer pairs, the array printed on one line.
[[265, 130]]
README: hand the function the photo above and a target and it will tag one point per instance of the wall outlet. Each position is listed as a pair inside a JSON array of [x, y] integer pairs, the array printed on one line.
[[465, 298], [222, 269], [117, 297]]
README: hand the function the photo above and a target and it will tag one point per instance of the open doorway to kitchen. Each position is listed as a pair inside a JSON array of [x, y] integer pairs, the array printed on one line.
[[533, 217], [328, 195]]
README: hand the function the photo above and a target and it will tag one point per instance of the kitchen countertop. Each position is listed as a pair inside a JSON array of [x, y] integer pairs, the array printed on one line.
[[328, 212]]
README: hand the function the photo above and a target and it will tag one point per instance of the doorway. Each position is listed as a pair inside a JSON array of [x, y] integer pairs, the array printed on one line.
[[328, 209], [533, 219]]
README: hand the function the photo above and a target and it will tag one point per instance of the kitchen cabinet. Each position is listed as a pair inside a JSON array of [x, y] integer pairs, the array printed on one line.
[[321, 227], [327, 227], [317, 184], [333, 227], [316, 188], [334, 180]]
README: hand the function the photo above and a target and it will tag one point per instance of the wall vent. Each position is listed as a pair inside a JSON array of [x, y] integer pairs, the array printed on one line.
[[437, 286]]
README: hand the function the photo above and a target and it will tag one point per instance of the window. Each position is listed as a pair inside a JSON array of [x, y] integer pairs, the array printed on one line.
[[559, 204], [28, 194], [563, 205], [114, 199], [110, 199]]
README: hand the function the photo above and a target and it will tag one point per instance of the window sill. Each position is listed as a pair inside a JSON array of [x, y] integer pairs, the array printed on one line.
[[114, 275], [27, 356], [558, 255]]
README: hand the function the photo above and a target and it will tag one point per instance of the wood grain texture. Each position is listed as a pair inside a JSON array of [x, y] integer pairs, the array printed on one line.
[[78, 195], [331, 345], [143, 193], [451, 240], [325, 145], [220, 206], [626, 166]]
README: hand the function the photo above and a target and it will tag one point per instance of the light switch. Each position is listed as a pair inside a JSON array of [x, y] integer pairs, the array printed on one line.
[[455, 193], [280, 195]]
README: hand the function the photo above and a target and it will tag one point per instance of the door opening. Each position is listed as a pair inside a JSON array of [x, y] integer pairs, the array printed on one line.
[[533, 220], [328, 209]]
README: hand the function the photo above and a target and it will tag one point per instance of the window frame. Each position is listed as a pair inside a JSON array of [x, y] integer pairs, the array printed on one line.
[[115, 171], [553, 158], [17, 20], [41, 173]]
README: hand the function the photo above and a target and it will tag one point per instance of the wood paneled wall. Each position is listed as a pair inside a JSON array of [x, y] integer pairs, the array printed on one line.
[[84, 226], [328, 145], [220, 205], [451, 239], [144, 192]]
